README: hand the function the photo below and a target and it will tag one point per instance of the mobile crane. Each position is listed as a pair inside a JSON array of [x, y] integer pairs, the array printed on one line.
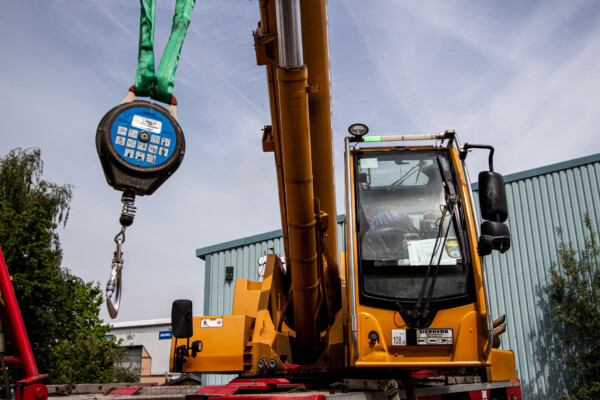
[[406, 312]]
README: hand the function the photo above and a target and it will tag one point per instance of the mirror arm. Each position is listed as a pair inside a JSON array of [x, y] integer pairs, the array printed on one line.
[[468, 146]]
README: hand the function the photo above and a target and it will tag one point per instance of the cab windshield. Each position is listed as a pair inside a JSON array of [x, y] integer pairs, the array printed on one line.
[[405, 224]]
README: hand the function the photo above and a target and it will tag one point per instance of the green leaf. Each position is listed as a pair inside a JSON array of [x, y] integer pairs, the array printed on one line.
[[575, 296]]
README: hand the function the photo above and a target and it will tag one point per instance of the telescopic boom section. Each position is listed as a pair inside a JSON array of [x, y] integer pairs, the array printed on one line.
[[297, 168], [316, 57], [299, 199], [291, 41]]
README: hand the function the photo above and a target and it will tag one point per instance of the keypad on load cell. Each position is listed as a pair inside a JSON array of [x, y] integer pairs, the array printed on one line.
[[138, 150]]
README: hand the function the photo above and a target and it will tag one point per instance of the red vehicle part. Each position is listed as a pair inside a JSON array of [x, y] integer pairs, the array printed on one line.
[[272, 389], [32, 387]]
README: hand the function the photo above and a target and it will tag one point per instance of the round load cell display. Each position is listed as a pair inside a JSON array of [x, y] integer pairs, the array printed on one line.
[[143, 137], [140, 145]]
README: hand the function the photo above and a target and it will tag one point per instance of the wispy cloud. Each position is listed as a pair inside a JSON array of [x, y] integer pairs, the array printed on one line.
[[506, 73]]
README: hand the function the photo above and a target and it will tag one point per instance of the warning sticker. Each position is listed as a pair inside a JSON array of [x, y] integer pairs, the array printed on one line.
[[368, 163], [434, 337], [129, 153], [133, 133], [120, 140], [147, 124], [140, 156], [398, 337], [163, 151], [211, 322], [155, 139], [165, 142], [142, 146], [122, 130], [131, 143], [153, 148]]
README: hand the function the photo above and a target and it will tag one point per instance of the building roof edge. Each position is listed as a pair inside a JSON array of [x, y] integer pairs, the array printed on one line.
[[547, 169], [141, 323], [204, 251]]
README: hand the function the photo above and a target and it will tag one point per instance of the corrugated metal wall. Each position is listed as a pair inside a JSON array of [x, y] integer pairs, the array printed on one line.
[[242, 255], [540, 200], [244, 261], [147, 335]]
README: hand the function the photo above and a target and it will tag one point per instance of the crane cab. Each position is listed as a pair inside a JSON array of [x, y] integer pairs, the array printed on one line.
[[416, 286]]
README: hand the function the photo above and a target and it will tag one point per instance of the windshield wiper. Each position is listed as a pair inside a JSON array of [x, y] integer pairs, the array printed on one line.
[[408, 174], [421, 314], [404, 177]]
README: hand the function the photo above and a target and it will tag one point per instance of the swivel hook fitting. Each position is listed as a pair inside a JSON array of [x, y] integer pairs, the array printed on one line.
[[114, 284]]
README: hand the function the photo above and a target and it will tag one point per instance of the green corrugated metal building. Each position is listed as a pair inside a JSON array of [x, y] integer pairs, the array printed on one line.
[[540, 200]]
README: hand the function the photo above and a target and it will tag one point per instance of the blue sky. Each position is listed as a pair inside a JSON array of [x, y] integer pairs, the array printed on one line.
[[521, 76]]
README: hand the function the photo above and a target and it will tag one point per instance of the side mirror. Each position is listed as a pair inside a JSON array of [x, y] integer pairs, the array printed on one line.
[[181, 319], [494, 236], [492, 196]]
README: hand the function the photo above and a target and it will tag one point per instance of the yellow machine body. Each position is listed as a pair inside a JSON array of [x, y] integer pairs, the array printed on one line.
[[467, 323], [317, 313], [259, 328], [215, 332]]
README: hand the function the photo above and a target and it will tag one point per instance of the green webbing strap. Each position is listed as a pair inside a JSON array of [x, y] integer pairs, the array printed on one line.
[[144, 79], [164, 79]]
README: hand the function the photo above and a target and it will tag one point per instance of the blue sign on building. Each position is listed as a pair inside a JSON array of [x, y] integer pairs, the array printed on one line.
[[110, 337], [165, 335]]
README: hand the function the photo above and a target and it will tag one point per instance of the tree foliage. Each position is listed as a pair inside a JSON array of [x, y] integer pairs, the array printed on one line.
[[575, 294], [60, 311]]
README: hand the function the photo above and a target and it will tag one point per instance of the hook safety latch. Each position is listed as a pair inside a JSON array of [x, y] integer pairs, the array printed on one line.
[[114, 284]]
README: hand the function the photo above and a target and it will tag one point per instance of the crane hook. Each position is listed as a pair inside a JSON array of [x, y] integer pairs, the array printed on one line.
[[114, 284]]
